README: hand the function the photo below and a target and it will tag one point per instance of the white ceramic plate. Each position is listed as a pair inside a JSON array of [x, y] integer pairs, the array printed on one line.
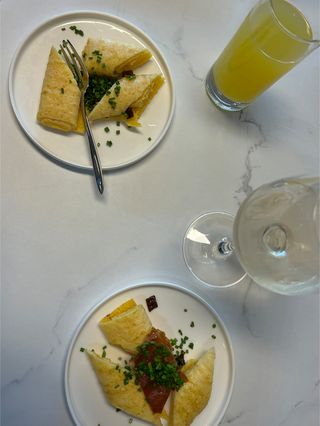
[[85, 399], [25, 82]]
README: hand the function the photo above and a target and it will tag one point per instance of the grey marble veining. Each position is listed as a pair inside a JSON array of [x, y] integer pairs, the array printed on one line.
[[63, 250]]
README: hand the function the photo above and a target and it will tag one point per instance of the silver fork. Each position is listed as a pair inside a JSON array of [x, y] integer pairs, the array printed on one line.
[[80, 73]]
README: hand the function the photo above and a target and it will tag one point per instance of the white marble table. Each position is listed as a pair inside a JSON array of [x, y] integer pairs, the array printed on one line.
[[64, 247]]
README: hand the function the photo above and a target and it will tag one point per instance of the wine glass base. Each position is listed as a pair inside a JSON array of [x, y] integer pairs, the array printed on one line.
[[202, 251]]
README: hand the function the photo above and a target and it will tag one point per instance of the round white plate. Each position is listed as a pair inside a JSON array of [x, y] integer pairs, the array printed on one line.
[[85, 398], [25, 82]]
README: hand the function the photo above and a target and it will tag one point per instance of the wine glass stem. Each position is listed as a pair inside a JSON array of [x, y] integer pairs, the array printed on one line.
[[224, 248]]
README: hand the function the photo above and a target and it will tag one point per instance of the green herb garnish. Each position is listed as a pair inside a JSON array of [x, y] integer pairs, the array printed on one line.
[[62, 90], [109, 143], [76, 30], [82, 349], [130, 76], [98, 56], [192, 324], [98, 87], [117, 132], [117, 88], [112, 102]]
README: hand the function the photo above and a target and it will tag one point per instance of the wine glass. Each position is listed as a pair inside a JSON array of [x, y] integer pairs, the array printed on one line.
[[274, 238]]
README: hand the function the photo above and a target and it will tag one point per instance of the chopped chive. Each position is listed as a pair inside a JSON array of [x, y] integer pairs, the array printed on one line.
[[82, 349], [213, 336], [98, 144], [149, 139], [63, 29], [112, 102], [130, 76], [118, 123], [192, 324], [185, 310], [104, 347], [62, 90], [118, 132], [191, 345], [106, 129], [214, 325], [109, 143], [76, 30], [117, 410]]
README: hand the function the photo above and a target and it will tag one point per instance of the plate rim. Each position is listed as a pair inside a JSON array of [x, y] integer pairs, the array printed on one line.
[[102, 15], [133, 286]]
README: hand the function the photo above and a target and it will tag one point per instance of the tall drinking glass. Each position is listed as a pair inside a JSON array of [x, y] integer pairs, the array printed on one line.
[[273, 38], [274, 238]]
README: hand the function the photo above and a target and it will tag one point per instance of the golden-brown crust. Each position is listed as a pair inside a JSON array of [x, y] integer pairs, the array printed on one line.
[[135, 93], [60, 96], [128, 329], [111, 58], [194, 395], [126, 397]]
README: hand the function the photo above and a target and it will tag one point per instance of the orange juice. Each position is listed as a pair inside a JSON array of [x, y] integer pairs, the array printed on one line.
[[273, 38]]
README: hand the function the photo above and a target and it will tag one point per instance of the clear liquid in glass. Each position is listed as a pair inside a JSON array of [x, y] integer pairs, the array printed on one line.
[[276, 235]]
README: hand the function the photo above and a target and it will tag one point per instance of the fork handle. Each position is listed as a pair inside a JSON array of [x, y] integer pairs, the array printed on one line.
[[93, 150]]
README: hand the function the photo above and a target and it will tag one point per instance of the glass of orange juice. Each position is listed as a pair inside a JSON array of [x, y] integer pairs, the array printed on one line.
[[272, 39]]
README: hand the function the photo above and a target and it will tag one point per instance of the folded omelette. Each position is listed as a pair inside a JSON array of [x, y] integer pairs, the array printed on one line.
[[193, 396], [60, 97], [127, 326], [111, 58], [132, 91], [126, 397]]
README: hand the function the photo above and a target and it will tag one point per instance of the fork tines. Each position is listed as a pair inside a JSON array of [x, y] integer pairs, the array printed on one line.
[[74, 62]]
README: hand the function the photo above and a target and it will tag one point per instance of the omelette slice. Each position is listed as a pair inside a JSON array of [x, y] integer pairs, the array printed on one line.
[[132, 91], [193, 396], [111, 58], [126, 397], [60, 97], [127, 326]]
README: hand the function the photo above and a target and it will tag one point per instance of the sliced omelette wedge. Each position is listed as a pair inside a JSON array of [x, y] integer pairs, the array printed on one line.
[[193, 396], [120, 393], [111, 58], [60, 97], [127, 326], [132, 92]]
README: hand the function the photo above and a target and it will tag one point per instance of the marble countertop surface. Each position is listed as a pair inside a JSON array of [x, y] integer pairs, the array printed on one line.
[[64, 247]]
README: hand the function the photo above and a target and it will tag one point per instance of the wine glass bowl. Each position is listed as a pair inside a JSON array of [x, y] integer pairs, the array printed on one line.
[[274, 239]]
